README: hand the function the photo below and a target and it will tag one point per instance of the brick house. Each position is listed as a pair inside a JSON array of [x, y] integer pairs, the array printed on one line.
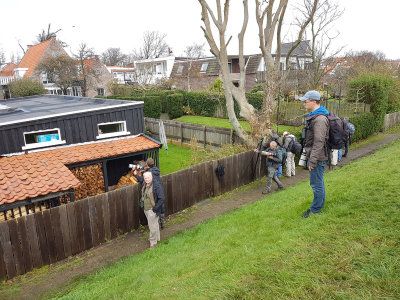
[[98, 78], [200, 73], [6, 76]]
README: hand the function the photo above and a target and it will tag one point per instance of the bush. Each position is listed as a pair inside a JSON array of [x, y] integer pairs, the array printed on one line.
[[204, 103], [151, 106], [175, 103], [366, 125], [26, 87]]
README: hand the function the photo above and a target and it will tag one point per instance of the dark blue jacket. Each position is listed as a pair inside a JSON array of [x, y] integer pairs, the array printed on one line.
[[277, 158]]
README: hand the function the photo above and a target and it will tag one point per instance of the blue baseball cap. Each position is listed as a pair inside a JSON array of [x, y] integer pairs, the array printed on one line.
[[311, 95]]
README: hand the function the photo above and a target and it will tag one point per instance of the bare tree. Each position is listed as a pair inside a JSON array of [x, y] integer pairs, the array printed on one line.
[[2, 57], [114, 57], [269, 22], [154, 46], [327, 12], [193, 52], [61, 70], [83, 54]]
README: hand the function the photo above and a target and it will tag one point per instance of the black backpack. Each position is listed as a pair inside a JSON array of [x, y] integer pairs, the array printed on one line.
[[294, 146], [338, 132]]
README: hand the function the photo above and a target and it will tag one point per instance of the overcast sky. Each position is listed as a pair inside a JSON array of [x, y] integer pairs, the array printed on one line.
[[365, 24]]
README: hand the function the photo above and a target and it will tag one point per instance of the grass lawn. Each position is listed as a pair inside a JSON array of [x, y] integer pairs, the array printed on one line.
[[224, 123], [267, 251], [178, 158]]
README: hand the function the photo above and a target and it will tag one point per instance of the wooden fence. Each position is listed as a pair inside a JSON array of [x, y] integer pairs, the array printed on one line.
[[52, 235], [185, 132]]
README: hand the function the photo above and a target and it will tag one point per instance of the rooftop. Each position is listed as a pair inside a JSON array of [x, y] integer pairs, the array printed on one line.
[[40, 173], [46, 106]]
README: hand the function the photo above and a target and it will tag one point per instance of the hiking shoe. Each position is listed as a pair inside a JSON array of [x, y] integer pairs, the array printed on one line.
[[281, 187], [307, 213], [266, 191]]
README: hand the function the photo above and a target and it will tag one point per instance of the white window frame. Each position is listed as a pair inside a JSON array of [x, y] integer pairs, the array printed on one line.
[[43, 144], [204, 67], [112, 134]]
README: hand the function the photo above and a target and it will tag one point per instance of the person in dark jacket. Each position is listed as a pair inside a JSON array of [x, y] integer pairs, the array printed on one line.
[[153, 202], [155, 171], [274, 159], [279, 140], [315, 145]]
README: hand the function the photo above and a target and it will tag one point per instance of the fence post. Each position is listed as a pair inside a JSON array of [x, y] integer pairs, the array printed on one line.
[[180, 126], [204, 134]]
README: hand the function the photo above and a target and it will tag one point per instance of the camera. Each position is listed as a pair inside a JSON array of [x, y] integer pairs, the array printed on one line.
[[136, 167]]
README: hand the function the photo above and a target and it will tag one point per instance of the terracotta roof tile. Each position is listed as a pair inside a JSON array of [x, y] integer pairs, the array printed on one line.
[[8, 70], [40, 173], [32, 57]]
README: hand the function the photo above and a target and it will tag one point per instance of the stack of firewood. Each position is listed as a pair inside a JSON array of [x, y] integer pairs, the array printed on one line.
[[128, 179], [92, 181]]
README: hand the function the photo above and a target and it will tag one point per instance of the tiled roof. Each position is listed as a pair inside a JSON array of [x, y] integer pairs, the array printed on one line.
[[8, 70], [40, 173], [32, 57], [302, 49]]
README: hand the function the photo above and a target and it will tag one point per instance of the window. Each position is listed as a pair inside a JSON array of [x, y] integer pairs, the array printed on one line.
[[204, 67], [98, 71], [100, 92], [55, 53], [180, 69], [112, 129], [42, 138], [230, 66]]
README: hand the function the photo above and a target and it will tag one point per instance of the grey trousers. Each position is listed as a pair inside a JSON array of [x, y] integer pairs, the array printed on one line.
[[272, 176], [154, 227]]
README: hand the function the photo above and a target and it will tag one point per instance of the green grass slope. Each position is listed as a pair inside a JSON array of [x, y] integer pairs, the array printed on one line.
[[267, 251]]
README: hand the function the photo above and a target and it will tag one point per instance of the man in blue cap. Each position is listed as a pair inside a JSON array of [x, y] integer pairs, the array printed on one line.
[[315, 145]]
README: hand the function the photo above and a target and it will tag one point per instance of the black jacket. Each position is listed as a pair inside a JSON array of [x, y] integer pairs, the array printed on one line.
[[277, 158]]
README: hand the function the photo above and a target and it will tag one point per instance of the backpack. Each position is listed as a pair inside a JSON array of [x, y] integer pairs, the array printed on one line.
[[294, 146], [220, 171], [284, 154], [352, 128], [338, 132]]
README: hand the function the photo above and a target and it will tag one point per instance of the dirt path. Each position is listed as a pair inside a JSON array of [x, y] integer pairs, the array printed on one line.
[[35, 284]]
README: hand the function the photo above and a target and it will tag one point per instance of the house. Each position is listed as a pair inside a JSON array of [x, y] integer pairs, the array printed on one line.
[[122, 75], [28, 67], [151, 71], [96, 79], [198, 74], [57, 149], [6, 76]]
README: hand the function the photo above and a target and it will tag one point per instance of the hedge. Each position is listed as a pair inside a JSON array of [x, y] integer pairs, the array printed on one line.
[[204, 103], [175, 103], [365, 124], [151, 106]]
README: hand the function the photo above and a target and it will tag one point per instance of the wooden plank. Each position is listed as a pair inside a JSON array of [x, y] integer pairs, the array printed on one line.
[[100, 218], [130, 207], [23, 236], [3, 273], [136, 207], [16, 247], [111, 204], [93, 221], [7, 251], [80, 230], [106, 217], [56, 226], [118, 211], [42, 240], [124, 204], [65, 230], [216, 183], [33, 241], [170, 206], [87, 232], [73, 232], [50, 236]]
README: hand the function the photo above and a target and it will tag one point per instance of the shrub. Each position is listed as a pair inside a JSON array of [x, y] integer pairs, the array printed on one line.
[[204, 103], [366, 124], [151, 106], [26, 87], [175, 103]]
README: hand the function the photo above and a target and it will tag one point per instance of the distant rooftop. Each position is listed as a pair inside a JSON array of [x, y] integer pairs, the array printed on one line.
[[20, 110]]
